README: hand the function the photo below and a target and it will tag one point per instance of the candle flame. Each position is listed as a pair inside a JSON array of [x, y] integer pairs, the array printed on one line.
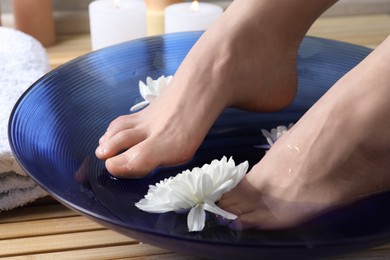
[[195, 6], [117, 3]]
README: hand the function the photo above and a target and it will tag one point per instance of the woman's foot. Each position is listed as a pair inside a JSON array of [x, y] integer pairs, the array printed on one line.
[[247, 59], [337, 153], [251, 68]]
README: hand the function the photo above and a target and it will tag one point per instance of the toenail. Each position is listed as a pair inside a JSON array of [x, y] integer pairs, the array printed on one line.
[[101, 150]]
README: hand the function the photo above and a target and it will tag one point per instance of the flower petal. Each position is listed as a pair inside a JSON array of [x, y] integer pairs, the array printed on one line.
[[143, 89], [149, 81], [139, 106], [180, 201], [203, 187], [150, 97], [270, 142], [196, 218], [211, 207], [266, 133], [195, 189], [151, 89], [153, 206], [224, 187], [242, 169], [275, 133]]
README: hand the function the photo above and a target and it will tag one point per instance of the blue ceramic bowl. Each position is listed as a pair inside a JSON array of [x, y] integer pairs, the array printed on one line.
[[55, 127]]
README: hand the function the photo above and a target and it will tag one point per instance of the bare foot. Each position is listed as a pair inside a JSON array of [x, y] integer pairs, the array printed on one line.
[[336, 154], [247, 59], [221, 70]]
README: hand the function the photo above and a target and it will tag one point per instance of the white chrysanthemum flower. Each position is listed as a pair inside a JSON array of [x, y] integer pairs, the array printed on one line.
[[151, 90], [275, 133], [196, 190]]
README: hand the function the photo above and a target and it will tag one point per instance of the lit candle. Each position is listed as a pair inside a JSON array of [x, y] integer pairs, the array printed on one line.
[[116, 21], [193, 16]]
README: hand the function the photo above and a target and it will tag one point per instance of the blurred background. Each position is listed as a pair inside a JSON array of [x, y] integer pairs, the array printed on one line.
[[71, 16]]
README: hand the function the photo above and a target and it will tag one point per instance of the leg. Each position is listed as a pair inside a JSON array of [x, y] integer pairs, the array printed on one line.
[[247, 59], [343, 154]]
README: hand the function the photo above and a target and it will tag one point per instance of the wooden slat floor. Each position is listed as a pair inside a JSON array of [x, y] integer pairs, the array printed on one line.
[[47, 230]]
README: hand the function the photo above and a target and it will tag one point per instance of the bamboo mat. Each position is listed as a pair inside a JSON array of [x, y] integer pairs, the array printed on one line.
[[48, 230]]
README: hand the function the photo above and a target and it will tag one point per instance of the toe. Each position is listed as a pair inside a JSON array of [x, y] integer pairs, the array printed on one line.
[[119, 142], [137, 161], [118, 125]]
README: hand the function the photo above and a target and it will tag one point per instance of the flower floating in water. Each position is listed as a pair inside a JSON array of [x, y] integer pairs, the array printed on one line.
[[275, 133], [151, 90], [197, 191]]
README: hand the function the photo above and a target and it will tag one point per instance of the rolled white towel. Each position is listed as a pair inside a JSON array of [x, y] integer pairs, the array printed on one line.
[[23, 60]]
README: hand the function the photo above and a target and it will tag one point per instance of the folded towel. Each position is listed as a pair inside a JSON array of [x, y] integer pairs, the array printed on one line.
[[22, 61], [17, 190]]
